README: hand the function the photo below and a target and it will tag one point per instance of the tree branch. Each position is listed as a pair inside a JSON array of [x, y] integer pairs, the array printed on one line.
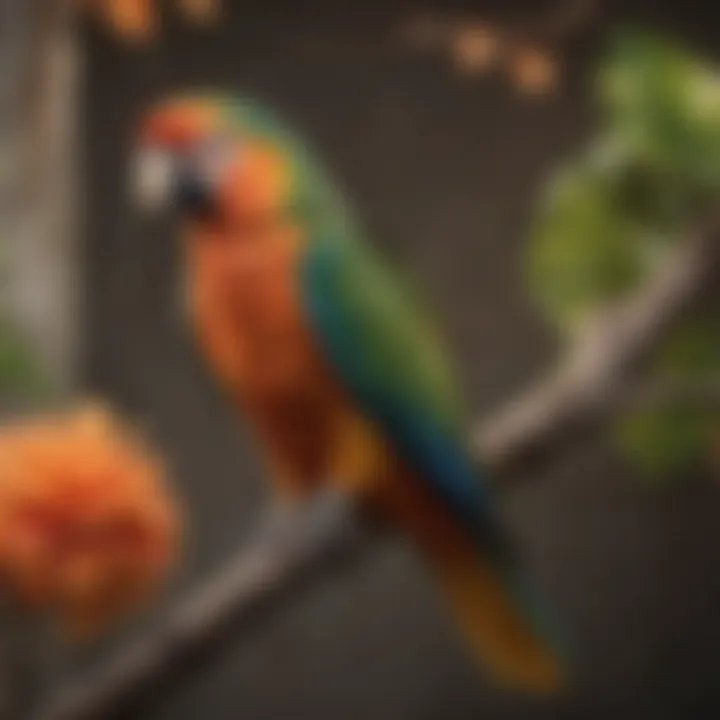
[[563, 22], [556, 25], [596, 366]]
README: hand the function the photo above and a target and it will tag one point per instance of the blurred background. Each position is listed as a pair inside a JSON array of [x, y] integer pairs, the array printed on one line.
[[446, 164]]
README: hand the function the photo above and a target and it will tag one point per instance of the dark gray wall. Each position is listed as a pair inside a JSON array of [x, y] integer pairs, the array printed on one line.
[[444, 169]]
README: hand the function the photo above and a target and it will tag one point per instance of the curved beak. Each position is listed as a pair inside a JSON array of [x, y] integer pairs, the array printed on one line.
[[152, 178]]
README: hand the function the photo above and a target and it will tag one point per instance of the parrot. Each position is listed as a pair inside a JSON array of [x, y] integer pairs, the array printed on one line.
[[341, 370]]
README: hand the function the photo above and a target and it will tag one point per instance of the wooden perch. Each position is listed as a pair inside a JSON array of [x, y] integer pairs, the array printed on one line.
[[599, 360], [299, 547]]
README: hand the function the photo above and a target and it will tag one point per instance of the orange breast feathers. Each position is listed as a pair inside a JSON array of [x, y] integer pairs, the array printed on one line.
[[244, 301]]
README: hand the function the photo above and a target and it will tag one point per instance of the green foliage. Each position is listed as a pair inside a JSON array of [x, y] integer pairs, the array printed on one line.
[[692, 351], [583, 254], [668, 440], [652, 171], [665, 105], [21, 377], [677, 434]]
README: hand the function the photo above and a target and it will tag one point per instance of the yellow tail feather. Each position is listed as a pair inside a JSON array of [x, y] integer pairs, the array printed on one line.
[[484, 597], [497, 630]]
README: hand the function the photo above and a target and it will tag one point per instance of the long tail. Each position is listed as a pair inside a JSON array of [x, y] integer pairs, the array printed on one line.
[[500, 616], [497, 616]]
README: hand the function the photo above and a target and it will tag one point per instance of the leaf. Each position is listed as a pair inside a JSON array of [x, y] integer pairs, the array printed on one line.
[[675, 437], [667, 441], [609, 218], [692, 351], [583, 253], [21, 376], [665, 103]]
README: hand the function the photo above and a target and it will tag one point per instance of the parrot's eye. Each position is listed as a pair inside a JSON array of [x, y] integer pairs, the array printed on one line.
[[190, 177], [199, 174]]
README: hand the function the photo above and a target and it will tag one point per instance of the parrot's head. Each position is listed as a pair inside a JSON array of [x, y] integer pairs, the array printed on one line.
[[212, 160]]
